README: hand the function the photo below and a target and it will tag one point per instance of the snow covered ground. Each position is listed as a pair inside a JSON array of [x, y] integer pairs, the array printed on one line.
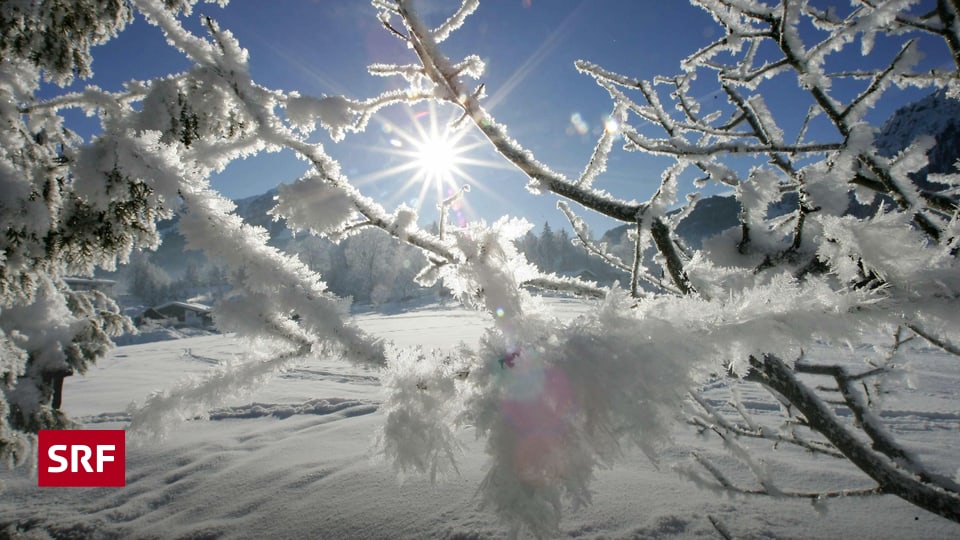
[[292, 460]]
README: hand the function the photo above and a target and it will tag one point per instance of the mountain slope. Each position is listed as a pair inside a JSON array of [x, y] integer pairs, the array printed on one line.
[[936, 115]]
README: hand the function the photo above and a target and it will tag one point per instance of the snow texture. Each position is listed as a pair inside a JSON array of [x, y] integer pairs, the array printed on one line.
[[294, 456]]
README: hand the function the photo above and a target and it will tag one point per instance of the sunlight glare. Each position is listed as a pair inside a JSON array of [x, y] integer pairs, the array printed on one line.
[[432, 156], [436, 157]]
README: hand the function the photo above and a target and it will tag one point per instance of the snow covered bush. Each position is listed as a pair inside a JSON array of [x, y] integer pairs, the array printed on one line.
[[553, 400]]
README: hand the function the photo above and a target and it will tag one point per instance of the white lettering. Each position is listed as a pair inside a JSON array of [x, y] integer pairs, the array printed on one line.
[[101, 457], [82, 460], [52, 454]]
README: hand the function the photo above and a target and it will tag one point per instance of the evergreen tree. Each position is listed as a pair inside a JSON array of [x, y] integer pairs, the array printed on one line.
[[148, 281], [565, 252], [529, 245], [547, 249], [192, 276]]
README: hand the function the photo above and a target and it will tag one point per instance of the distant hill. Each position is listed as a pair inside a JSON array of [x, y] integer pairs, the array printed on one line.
[[254, 211], [173, 255], [709, 217], [936, 115]]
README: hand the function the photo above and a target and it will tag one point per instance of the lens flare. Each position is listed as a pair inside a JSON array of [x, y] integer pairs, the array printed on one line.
[[611, 125], [579, 125]]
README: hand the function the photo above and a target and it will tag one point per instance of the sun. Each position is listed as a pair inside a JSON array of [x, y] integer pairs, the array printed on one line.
[[437, 157], [431, 157], [432, 154]]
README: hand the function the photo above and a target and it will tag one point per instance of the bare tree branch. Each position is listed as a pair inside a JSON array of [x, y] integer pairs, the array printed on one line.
[[775, 373]]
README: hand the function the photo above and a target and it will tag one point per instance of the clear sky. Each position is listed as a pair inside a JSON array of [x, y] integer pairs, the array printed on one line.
[[322, 47]]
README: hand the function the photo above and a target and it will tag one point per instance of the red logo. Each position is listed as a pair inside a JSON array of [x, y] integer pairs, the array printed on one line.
[[82, 458]]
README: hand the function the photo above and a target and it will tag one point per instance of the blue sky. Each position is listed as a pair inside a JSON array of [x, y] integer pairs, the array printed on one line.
[[322, 47]]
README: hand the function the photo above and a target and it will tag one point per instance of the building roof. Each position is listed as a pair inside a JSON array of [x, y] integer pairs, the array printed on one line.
[[88, 281], [185, 305]]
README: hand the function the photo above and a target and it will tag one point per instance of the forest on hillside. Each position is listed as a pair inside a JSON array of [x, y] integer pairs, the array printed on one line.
[[368, 267]]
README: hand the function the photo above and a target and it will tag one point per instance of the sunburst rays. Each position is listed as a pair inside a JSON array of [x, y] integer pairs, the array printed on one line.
[[433, 158]]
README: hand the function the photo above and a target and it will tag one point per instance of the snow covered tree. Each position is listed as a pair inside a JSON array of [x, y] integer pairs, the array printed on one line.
[[548, 250], [191, 276], [147, 280], [553, 400], [376, 267], [64, 209], [565, 254]]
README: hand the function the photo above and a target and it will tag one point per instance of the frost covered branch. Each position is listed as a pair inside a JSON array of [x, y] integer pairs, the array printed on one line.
[[913, 487], [716, 421], [870, 424], [439, 70], [938, 341], [805, 266], [724, 484], [815, 180], [566, 284]]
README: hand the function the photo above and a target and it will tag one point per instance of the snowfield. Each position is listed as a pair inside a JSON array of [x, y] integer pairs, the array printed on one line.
[[293, 459]]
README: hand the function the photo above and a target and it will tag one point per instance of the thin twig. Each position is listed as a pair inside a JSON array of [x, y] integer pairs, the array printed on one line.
[[935, 340]]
